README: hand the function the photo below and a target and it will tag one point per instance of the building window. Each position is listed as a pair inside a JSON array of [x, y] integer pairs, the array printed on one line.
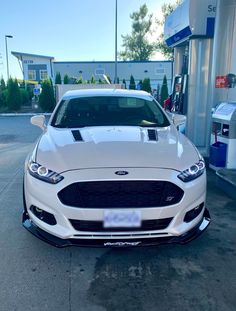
[[43, 74], [99, 71], [160, 71], [31, 74]]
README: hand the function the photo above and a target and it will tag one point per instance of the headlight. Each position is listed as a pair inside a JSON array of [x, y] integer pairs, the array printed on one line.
[[43, 173], [193, 172]]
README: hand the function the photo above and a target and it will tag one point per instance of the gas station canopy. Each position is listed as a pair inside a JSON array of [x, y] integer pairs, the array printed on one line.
[[191, 19]]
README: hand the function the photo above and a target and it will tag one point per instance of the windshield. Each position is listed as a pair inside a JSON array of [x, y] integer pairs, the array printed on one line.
[[108, 111]]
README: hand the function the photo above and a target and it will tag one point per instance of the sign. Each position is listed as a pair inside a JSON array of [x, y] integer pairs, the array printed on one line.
[[221, 82], [36, 92], [28, 61]]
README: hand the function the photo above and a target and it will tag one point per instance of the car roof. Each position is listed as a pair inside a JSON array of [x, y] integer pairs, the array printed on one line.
[[106, 92]]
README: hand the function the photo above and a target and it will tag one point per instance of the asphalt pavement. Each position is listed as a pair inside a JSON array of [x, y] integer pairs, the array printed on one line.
[[199, 276]]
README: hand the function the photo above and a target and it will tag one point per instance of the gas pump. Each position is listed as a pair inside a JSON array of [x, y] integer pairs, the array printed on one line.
[[179, 94], [189, 30], [223, 136]]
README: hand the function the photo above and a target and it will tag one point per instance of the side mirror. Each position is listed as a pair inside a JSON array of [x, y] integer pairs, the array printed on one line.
[[178, 119], [39, 121]]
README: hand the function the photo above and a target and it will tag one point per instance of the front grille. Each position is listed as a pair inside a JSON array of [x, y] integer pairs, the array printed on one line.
[[97, 226], [120, 194]]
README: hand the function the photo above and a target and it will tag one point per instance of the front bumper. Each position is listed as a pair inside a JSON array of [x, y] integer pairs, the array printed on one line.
[[58, 242]]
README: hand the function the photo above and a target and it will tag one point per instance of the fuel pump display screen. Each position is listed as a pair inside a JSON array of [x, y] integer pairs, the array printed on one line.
[[178, 87], [225, 130]]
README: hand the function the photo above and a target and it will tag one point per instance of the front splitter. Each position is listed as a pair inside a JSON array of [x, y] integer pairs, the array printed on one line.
[[119, 242]]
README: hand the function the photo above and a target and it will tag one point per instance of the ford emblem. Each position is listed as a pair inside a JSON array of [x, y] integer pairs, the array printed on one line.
[[121, 173]]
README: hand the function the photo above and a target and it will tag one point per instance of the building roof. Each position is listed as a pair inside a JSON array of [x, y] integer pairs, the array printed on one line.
[[112, 62], [20, 54]]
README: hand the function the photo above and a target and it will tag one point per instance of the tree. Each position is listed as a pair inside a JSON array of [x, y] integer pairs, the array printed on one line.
[[161, 46], [146, 86], [136, 45], [58, 78], [117, 80], [66, 79], [13, 99], [132, 85], [2, 93], [164, 91], [46, 98], [2, 84]]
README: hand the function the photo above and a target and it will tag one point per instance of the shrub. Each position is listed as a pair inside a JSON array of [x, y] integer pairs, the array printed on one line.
[[13, 99], [124, 83], [46, 98], [80, 80], [132, 85], [25, 96], [93, 81]]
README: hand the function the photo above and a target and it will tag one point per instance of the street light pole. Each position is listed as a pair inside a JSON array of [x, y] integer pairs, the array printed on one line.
[[7, 36], [116, 43]]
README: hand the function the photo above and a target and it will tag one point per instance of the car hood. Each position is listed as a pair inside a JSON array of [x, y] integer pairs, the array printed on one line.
[[114, 146]]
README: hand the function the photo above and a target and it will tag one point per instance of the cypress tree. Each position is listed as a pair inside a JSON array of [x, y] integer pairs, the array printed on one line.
[[132, 85], [66, 79], [14, 99], [158, 93], [58, 78], [164, 91], [46, 98], [2, 84], [146, 86], [93, 81]]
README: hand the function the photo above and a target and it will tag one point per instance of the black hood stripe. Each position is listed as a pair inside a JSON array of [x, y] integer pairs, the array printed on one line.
[[77, 135]]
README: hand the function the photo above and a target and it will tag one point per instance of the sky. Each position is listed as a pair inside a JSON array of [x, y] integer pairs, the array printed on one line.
[[68, 30]]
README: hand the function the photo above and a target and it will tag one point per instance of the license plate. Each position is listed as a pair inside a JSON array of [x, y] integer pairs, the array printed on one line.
[[119, 219]]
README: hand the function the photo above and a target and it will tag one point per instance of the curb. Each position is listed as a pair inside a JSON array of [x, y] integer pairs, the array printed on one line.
[[23, 114]]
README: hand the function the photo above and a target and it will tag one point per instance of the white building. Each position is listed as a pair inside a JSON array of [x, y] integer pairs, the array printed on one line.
[[35, 67], [39, 67]]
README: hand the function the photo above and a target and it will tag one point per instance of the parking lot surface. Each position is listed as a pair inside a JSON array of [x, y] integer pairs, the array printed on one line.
[[36, 276]]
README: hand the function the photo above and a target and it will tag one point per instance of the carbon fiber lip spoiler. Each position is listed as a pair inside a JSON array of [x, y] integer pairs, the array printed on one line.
[[119, 242]]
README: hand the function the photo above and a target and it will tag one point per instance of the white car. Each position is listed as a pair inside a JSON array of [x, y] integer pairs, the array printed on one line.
[[112, 169]]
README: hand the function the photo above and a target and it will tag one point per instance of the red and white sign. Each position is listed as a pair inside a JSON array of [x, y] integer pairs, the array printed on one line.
[[221, 82]]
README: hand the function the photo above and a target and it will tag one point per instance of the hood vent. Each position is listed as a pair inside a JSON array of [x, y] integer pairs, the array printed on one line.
[[77, 135], [152, 135]]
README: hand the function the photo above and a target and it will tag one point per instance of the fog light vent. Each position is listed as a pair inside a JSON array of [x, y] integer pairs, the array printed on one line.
[[43, 215], [193, 213]]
